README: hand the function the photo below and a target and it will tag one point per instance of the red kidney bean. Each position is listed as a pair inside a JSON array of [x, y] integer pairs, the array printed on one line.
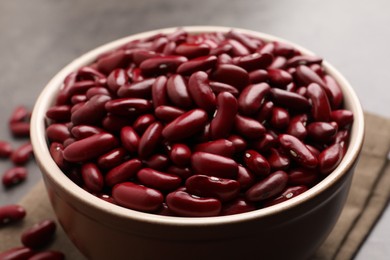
[[237, 48], [5, 149], [178, 91], [39, 235], [289, 100], [116, 79], [303, 176], [278, 160], [279, 78], [237, 206], [210, 186], [254, 61], [89, 147], [159, 44], [160, 65], [83, 131], [20, 129], [341, 137], [204, 63], [140, 89], [252, 97], [81, 87], [317, 68], [180, 154], [258, 76], [303, 60], [232, 75], [265, 112], [159, 92], [333, 91], [238, 142], [185, 125], [94, 91], [265, 142], [225, 115], [168, 113], [256, 163], [169, 48], [214, 165], [137, 197], [320, 103], [244, 177], [17, 253], [140, 55], [184, 204], [158, 180], [297, 127], [14, 176], [57, 132], [302, 91], [283, 49], [157, 162], [221, 147], [114, 123], [143, 122], [92, 112], [289, 193], [224, 59], [56, 150], [48, 255], [122, 172], [68, 141], [75, 99], [307, 76], [271, 186], [112, 158], [130, 139], [19, 114], [59, 113], [298, 151], [192, 50], [249, 43], [117, 59], [128, 106], [278, 63], [201, 92], [92, 177], [330, 158], [22, 154], [321, 132], [343, 118], [248, 127], [11, 213], [135, 74], [75, 107], [313, 150], [280, 118], [150, 139]]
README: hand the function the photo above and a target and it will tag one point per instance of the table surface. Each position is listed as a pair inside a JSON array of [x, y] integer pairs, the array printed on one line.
[[37, 38]]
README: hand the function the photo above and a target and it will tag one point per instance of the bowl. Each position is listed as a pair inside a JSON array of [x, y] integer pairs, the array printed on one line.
[[293, 229]]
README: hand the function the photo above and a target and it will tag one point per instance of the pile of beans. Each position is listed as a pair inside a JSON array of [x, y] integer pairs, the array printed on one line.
[[199, 124]]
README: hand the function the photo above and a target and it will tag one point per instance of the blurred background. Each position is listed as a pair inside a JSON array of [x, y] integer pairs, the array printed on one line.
[[39, 37]]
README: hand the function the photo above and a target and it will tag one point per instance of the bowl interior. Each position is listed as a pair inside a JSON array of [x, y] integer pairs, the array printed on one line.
[[52, 171]]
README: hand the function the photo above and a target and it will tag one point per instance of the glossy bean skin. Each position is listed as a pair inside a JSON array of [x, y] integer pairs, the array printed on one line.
[[180, 154], [192, 50], [225, 116], [238, 49], [298, 151], [22, 154], [14, 176], [209, 186], [92, 177], [160, 65], [90, 147], [266, 142], [114, 123], [56, 150], [321, 132], [289, 193], [252, 97], [159, 92], [297, 127], [130, 139], [214, 165], [112, 158], [139, 89], [39, 235], [258, 76], [343, 118], [245, 177], [184, 204], [219, 87], [116, 79], [143, 122], [303, 60], [330, 158], [249, 43], [320, 103], [137, 197], [307, 76], [48, 255], [94, 91], [237, 206], [20, 129], [221, 147], [268, 187], [110, 62], [168, 113], [265, 112], [83, 131], [278, 160], [257, 163], [279, 78], [128, 106], [238, 142], [5, 149], [17, 253], [254, 61], [157, 162], [182, 172], [57, 132], [150, 139], [185, 125], [303, 176], [198, 64], [280, 118], [178, 93], [248, 127], [201, 92], [59, 113], [122, 172], [11, 213], [232, 75], [289, 100], [158, 180], [92, 112], [333, 91]]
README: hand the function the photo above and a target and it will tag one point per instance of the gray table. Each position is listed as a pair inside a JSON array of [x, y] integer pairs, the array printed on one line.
[[38, 37]]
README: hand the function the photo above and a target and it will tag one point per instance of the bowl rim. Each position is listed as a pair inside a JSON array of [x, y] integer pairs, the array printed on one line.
[[50, 169]]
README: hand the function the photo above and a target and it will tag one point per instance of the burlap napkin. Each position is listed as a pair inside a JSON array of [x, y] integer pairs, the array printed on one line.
[[368, 197]]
